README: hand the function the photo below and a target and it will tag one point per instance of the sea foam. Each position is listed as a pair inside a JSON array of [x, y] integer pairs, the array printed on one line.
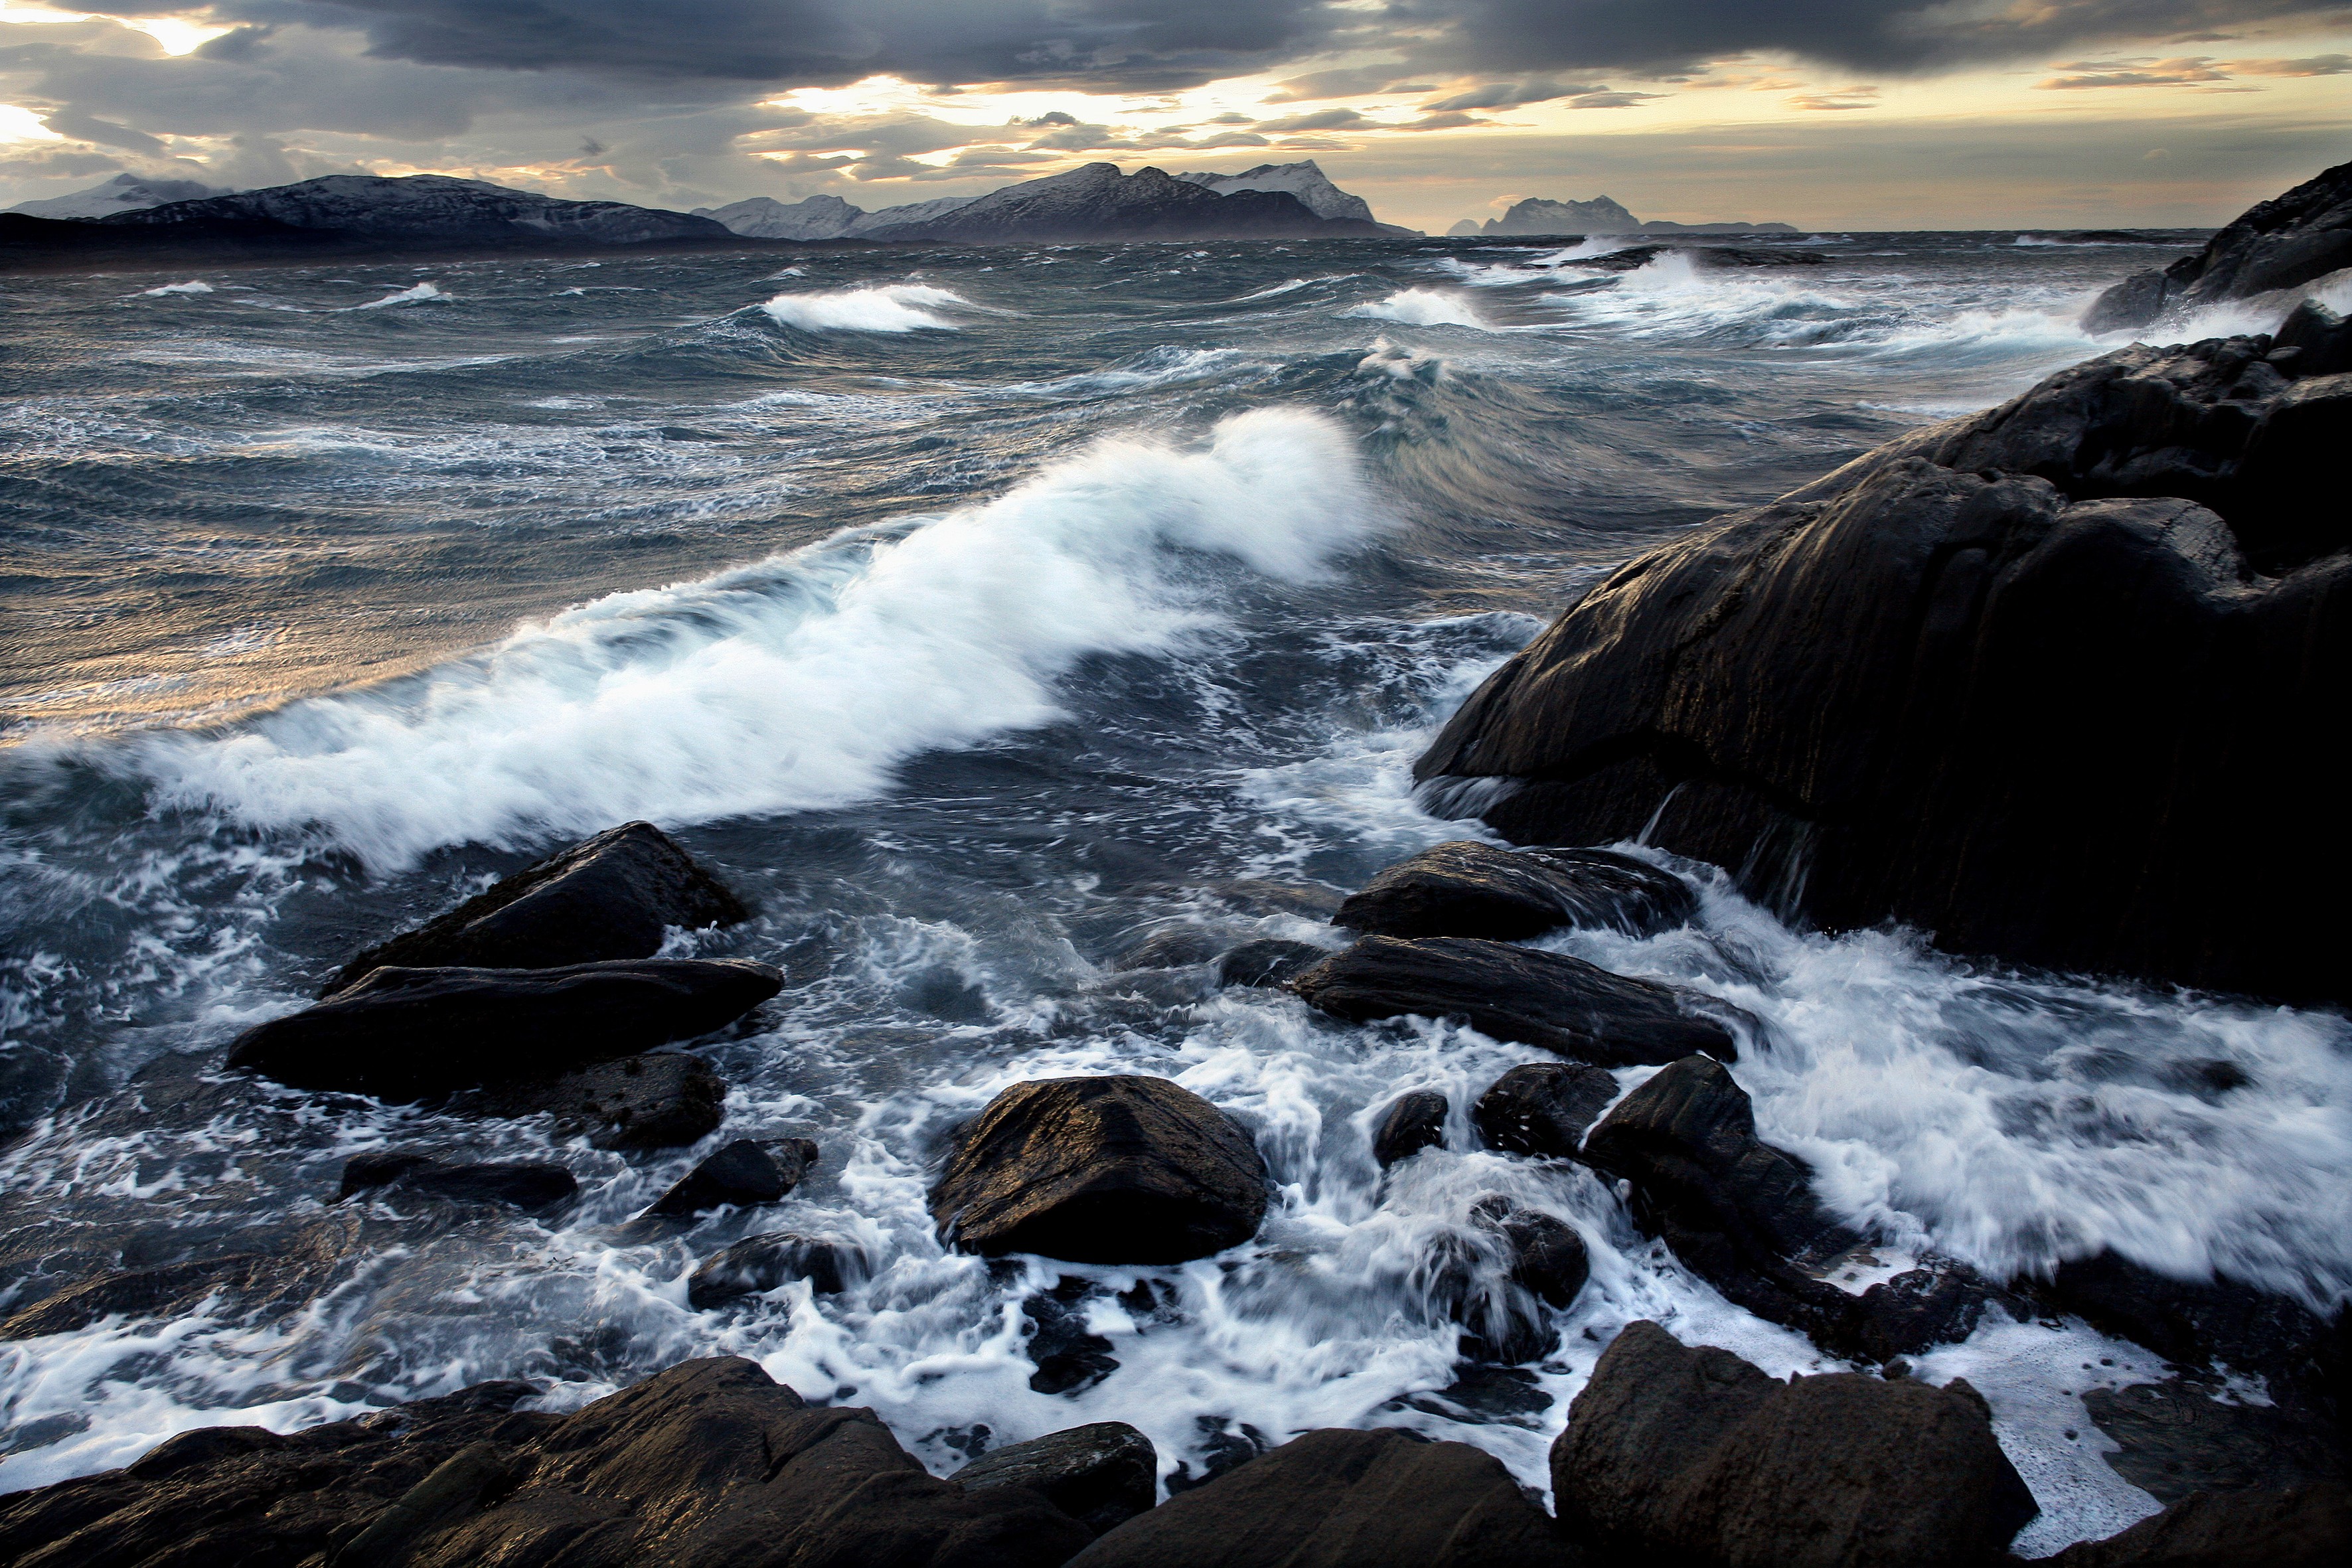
[[1422, 307], [880, 308], [798, 682]]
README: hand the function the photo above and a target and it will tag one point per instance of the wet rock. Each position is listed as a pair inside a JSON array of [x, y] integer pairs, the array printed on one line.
[[660, 1101], [1469, 889], [2176, 1439], [2305, 1527], [2290, 240], [1519, 993], [1224, 1445], [1101, 1475], [1174, 947], [711, 1461], [1680, 1454], [1543, 1263], [2311, 341], [1413, 1123], [1543, 1108], [758, 1264], [1484, 1395], [1122, 1169], [745, 1174], [1997, 679], [1547, 1257], [525, 1183], [1385, 1499], [1270, 961], [407, 1034], [1069, 1356], [610, 896], [171, 1290], [1938, 1303]]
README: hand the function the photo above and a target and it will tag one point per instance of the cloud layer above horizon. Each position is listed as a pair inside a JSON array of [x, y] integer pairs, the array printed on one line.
[[1432, 108]]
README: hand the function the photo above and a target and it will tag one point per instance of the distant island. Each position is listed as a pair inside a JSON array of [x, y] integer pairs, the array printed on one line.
[[1542, 216], [126, 221]]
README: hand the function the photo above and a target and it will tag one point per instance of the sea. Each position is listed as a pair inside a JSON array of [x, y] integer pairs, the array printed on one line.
[[980, 615]]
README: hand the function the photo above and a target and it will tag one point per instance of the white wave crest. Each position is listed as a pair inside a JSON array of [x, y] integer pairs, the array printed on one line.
[[798, 682], [1422, 307], [877, 308], [192, 286], [417, 295]]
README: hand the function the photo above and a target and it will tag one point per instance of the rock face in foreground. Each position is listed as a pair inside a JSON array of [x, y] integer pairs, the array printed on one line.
[[1681, 1454], [1366, 1500], [1101, 1475], [2004, 680], [606, 898], [407, 1034], [2278, 244], [1101, 1170], [2309, 1527], [708, 1463], [1536, 998], [1469, 889]]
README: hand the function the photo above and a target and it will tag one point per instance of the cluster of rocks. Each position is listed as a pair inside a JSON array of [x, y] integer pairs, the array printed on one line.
[[2291, 240]]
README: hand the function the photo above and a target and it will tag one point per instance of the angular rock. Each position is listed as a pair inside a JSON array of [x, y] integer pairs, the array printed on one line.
[[2307, 1527], [1469, 889], [1386, 1499], [1678, 1454], [758, 1264], [1101, 1475], [2291, 238], [1997, 680], [1413, 1123], [745, 1174], [659, 1100], [1100, 1169], [1543, 1108], [1548, 1258], [410, 1033], [2311, 341], [525, 1183], [1520, 994], [610, 896], [1269, 962], [708, 1462]]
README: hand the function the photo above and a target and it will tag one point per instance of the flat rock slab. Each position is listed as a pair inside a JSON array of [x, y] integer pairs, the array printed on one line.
[[1102, 1475], [524, 1184], [744, 1174], [1543, 1108], [1469, 889], [2301, 1527], [610, 896], [661, 1100], [1547, 999], [709, 1462], [411, 1034], [1122, 1169], [1678, 1454], [1387, 1498], [758, 1264]]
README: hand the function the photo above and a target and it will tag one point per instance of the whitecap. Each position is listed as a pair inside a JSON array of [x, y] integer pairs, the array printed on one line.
[[416, 295], [192, 286], [1422, 307], [875, 307]]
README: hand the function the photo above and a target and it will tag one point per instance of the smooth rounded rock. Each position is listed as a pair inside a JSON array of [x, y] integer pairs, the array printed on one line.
[[1413, 1123], [1469, 889], [745, 1174], [758, 1264]]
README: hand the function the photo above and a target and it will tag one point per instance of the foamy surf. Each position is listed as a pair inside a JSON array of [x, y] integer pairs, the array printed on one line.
[[420, 294], [878, 308], [1422, 307], [192, 286], [799, 682]]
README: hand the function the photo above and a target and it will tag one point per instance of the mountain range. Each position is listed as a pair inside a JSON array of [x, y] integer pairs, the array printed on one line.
[[1542, 216]]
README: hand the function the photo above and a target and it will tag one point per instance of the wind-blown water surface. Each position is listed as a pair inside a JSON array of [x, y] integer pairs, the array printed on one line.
[[977, 613]]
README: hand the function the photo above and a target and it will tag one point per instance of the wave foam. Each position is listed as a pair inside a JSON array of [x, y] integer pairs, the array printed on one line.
[[799, 682], [192, 286], [1422, 307], [877, 308], [412, 296]]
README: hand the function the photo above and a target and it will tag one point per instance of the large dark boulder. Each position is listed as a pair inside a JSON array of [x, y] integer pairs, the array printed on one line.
[[744, 1173], [1521, 993], [524, 1184], [1543, 1264], [1101, 1475], [410, 1033], [2288, 240], [610, 896], [1100, 1169], [1469, 889], [1543, 1108], [1414, 1121], [760, 1263], [659, 1100], [709, 1462], [1997, 680], [1386, 1499], [1269, 961], [1675, 1454], [2307, 1527]]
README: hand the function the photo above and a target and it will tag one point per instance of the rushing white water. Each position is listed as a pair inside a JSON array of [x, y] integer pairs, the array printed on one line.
[[886, 307], [1422, 307]]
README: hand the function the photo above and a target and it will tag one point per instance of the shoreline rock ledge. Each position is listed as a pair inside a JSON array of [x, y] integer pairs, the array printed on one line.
[[2026, 682]]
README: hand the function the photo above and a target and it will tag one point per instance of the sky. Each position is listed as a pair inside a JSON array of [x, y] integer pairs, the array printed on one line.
[[1821, 113]]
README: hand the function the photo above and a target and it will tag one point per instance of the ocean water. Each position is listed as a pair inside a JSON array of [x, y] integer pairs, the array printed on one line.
[[978, 614]]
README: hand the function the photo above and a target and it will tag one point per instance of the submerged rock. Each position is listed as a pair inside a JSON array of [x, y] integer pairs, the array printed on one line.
[[409, 1034], [1101, 1475], [1469, 889], [1520, 994], [170, 1289], [1413, 1123], [2290, 240], [1100, 1169], [610, 896], [745, 1174], [659, 1100], [525, 1183], [1548, 1258], [1543, 1108], [1678, 1454], [1268, 961], [1069, 1356], [2175, 1438], [708, 1462], [758, 1264], [1386, 1499], [2306, 1527]]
